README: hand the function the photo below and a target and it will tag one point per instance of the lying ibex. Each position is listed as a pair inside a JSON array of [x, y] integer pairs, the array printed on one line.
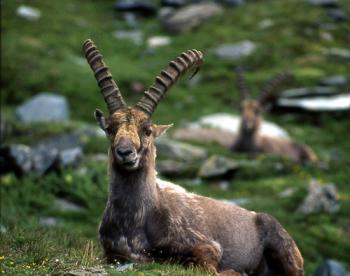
[[249, 138], [147, 219]]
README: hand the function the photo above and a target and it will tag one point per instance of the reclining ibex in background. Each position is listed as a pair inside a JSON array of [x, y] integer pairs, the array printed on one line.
[[147, 219], [249, 138]]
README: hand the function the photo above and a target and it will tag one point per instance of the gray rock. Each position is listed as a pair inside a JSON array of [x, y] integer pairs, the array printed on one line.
[[237, 201], [335, 80], [235, 51], [71, 157], [47, 221], [66, 205], [124, 267], [45, 107], [338, 103], [173, 168], [287, 192], [171, 149], [44, 159], [324, 3], [338, 53], [29, 13], [192, 16], [309, 92], [15, 157], [320, 198], [233, 2], [88, 271], [337, 14], [3, 229], [218, 167], [134, 35], [330, 268]]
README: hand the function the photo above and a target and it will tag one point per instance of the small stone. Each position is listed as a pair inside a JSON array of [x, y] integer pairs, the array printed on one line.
[[15, 157], [335, 80], [265, 24], [330, 268], [338, 52], [235, 51], [232, 3], [44, 159], [320, 198], [47, 221], [174, 3], [174, 168], [191, 16], [88, 271], [66, 205], [29, 13], [124, 267], [237, 201], [44, 107], [324, 3], [134, 36], [158, 41], [337, 14], [287, 192], [171, 149], [71, 157], [218, 167], [3, 229], [142, 7]]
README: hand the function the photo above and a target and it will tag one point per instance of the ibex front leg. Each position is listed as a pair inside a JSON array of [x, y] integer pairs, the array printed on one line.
[[208, 256]]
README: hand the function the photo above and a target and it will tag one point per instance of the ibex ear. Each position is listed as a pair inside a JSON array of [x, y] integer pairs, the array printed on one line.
[[159, 130], [101, 120]]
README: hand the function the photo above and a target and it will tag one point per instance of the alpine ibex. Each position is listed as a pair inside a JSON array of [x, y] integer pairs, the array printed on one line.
[[249, 138], [147, 219]]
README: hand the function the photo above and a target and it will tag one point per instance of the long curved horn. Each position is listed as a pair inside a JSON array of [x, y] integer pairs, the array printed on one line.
[[241, 83], [109, 88], [267, 93], [167, 78]]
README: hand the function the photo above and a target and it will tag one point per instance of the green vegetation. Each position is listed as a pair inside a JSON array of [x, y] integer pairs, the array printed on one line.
[[46, 56]]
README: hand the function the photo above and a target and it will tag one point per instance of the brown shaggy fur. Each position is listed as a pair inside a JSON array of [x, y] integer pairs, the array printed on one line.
[[147, 219]]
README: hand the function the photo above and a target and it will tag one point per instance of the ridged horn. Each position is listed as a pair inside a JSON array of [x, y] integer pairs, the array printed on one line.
[[167, 78], [269, 89], [241, 83], [109, 88]]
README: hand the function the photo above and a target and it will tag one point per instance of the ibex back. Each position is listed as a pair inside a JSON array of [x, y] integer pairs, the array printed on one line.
[[147, 219]]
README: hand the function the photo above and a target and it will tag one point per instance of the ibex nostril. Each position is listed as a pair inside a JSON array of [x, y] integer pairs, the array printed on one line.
[[124, 152]]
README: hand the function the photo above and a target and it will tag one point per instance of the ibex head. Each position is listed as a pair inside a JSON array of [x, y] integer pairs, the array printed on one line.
[[252, 109], [130, 129]]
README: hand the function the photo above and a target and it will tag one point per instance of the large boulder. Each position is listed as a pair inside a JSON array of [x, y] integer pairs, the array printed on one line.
[[44, 107], [192, 16], [230, 123]]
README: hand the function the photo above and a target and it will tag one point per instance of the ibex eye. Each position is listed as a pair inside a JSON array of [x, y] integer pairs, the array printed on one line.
[[147, 130]]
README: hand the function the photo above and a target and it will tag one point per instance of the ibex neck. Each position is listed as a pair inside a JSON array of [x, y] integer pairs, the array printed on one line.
[[246, 141], [132, 189]]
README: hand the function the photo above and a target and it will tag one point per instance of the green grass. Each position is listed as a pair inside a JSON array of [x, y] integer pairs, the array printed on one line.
[[46, 56]]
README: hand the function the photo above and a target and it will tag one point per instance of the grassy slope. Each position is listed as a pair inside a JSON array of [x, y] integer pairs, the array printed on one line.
[[46, 56]]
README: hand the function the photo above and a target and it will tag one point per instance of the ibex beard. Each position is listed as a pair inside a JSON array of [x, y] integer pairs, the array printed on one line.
[[147, 219]]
